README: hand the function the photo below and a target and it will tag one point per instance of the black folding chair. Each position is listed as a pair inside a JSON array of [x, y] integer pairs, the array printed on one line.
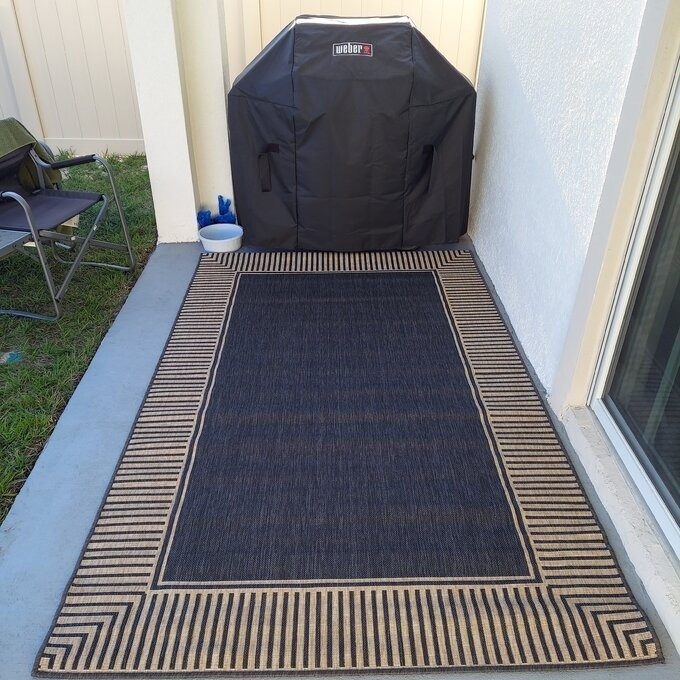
[[30, 219]]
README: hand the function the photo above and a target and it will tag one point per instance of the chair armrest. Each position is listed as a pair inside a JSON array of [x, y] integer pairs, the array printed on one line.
[[70, 162]]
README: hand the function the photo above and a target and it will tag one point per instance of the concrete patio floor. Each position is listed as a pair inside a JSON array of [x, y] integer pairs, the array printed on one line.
[[42, 537]]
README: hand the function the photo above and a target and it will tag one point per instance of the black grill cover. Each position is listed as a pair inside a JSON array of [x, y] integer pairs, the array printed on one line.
[[351, 134]]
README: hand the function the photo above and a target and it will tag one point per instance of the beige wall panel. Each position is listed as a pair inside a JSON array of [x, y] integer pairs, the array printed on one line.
[[37, 63], [289, 8], [270, 16], [453, 26], [117, 54], [431, 20], [252, 31], [200, 33], [471, 38], [372, 8], [97, 68], [16, 89], [47, 59], [310, 7], [76, 67], [350, 8], [414, 10], [450, 29], [8, 103], [77, 58], [389, 8], [234, 41], [331, 7]]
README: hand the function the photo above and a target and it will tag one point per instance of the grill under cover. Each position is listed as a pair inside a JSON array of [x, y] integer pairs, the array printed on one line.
[[351, 134]]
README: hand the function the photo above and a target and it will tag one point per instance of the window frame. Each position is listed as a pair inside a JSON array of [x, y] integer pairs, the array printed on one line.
[[646, 220]]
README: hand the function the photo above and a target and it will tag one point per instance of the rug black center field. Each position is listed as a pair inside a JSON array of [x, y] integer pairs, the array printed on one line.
[[342, 463]]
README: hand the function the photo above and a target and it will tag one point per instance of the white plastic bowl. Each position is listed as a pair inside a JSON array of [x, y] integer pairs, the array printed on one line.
[[221, 238]]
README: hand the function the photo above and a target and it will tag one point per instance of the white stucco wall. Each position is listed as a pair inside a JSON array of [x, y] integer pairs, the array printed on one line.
[[552, 81]]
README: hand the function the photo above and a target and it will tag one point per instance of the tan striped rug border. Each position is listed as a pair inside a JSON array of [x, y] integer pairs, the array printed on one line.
[[578, 612]]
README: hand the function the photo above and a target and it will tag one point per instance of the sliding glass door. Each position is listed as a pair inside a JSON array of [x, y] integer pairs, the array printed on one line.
[[636, 388], [643, 392]]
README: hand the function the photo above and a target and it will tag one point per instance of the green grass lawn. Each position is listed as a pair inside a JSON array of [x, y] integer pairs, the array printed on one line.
[[54, 355]]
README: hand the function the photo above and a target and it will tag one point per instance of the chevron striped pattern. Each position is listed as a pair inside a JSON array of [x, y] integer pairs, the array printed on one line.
[[118, 617]]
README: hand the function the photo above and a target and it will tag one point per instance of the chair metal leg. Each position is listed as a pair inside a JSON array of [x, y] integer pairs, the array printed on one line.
[[78, 260], [105, 245], [121, 215], [35, 315], [42, 258]]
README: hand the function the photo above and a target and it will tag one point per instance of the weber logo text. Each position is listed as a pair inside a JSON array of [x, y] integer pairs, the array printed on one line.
[[352, 49]]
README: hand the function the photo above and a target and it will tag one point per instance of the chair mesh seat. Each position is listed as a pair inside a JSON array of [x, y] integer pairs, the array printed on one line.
[[49, 208]]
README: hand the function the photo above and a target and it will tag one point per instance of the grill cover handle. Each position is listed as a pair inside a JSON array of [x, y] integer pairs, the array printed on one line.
[[264, 167]]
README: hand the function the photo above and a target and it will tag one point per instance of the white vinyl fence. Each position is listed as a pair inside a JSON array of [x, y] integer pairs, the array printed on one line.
[[66, 73]]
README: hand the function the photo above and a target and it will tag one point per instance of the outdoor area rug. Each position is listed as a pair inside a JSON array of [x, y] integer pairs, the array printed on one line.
[[342, 464]]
